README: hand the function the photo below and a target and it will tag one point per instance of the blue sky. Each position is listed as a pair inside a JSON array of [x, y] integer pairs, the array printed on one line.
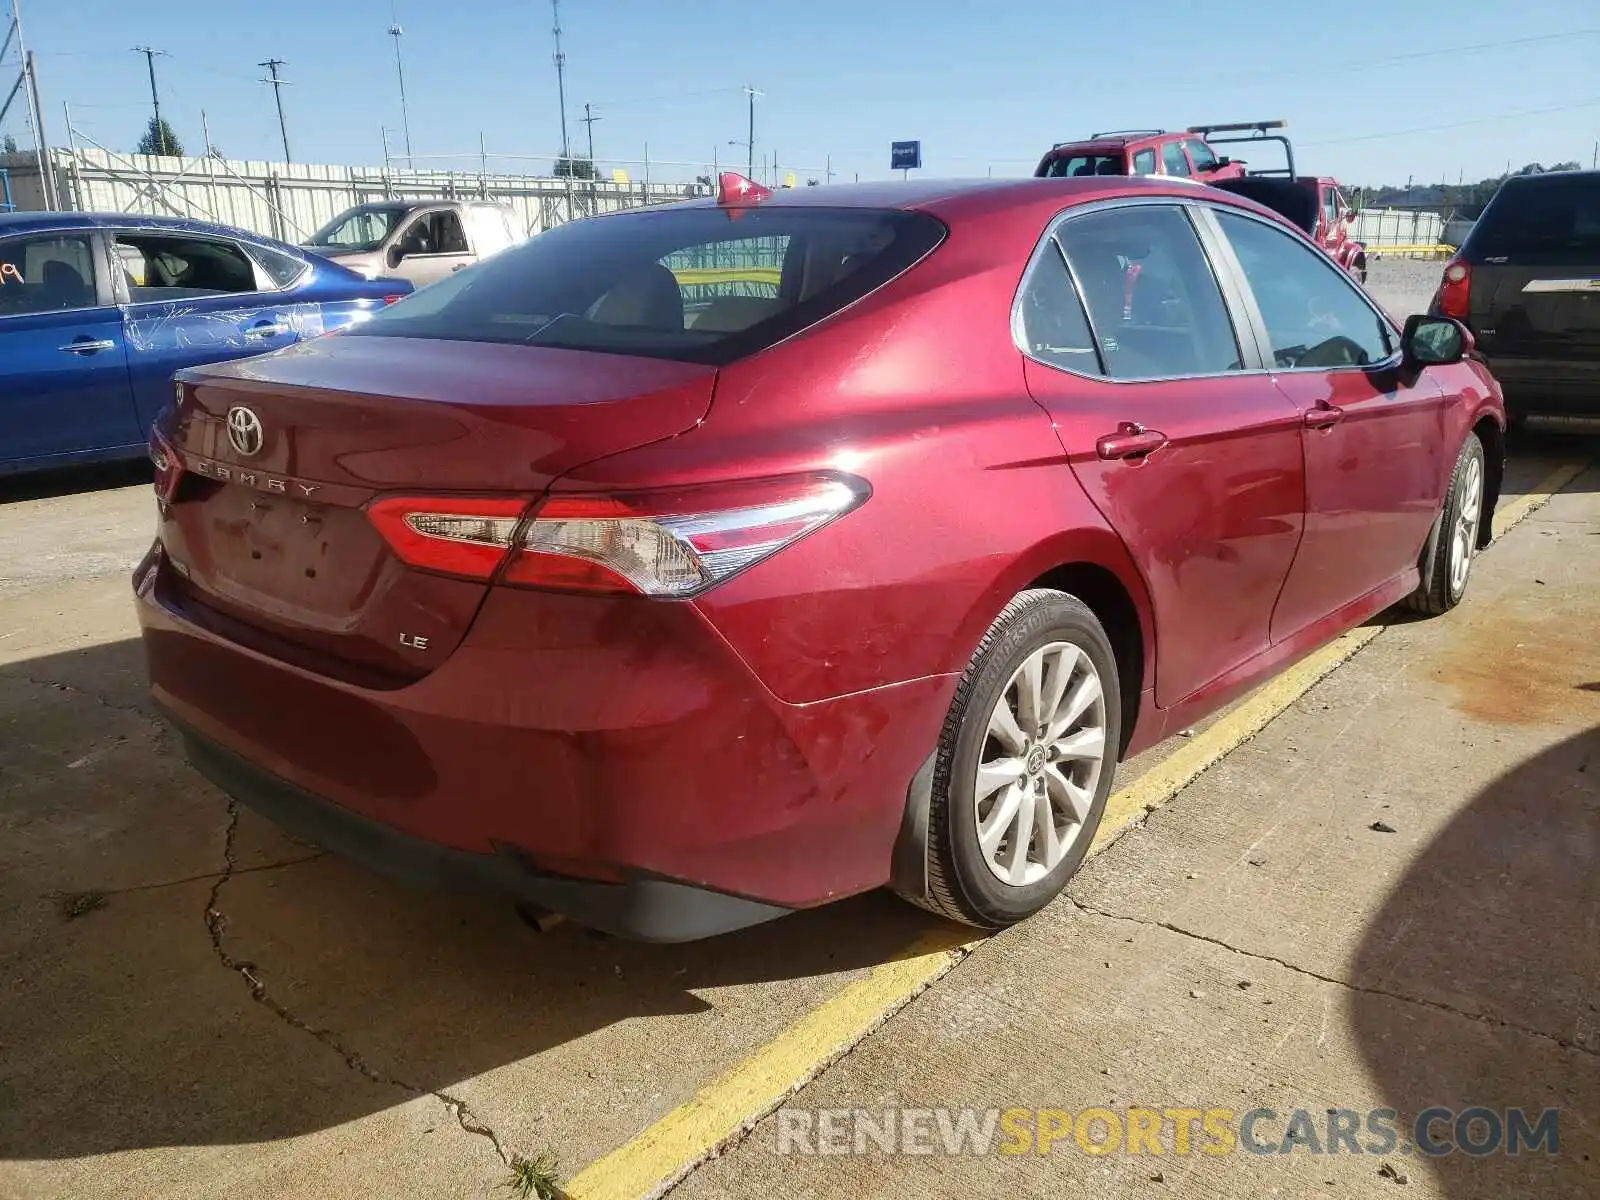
[[985, 87]]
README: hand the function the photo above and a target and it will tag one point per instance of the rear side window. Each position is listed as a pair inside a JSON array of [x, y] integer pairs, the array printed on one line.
[[701, 284], [1173, 160], [1050, 324], [1144, 162], [175, 267], [283, 269], [1556, 214], [1077, 166], [1152, 299]]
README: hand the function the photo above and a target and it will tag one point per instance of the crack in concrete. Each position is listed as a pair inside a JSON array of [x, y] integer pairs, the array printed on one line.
[[216, 924], [73, 689], [1437, 1005]]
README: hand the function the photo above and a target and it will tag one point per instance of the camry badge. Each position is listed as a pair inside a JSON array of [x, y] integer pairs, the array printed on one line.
[[244, 430]]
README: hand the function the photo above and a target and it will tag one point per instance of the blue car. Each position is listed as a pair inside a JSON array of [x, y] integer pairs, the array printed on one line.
[[98, 310]]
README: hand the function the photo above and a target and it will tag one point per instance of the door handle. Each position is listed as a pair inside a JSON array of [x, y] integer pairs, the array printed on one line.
[[266, 329], [457, 267], [87, 345], [1131, 440], [1323, 416]]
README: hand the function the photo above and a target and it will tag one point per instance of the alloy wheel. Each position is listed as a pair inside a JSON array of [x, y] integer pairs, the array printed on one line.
[[1041, 761]]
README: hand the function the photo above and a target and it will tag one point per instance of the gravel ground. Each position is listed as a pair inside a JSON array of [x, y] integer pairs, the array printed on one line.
[[1403, 285]]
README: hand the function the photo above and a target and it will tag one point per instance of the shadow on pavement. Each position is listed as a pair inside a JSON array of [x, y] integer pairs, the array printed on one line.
[[122, 1028], [70, 481], [1495, 930]]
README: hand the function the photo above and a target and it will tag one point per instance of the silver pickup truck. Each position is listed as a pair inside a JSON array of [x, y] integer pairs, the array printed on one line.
[[419, 240]]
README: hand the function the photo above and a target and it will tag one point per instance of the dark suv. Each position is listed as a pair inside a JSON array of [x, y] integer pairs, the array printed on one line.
[[1527, 282]]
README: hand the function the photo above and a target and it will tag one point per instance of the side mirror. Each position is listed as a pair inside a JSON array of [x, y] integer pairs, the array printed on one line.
[[396, 253], [1430, 341]]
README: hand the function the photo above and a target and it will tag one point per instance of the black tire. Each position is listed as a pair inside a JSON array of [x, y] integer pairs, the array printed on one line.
[[1443, 594], [961, 884]]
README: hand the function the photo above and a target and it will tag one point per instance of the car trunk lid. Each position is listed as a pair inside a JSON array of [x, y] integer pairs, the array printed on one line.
[[266, 525]]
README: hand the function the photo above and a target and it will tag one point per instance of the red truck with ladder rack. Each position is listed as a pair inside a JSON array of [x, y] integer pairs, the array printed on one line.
[[1315, 203]]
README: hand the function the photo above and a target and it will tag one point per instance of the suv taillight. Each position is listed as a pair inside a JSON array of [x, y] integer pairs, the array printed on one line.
[[1454, 298], [671, 543]]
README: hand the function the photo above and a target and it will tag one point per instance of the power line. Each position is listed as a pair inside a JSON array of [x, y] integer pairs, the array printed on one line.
[[272, 65], [1507, 116]]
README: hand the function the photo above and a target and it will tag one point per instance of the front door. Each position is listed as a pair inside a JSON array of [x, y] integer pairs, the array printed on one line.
[[1192, 456], [1373, 434], [431, 245], [63, 364]]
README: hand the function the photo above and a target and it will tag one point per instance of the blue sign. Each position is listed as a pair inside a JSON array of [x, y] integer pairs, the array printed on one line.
[[905, 156]]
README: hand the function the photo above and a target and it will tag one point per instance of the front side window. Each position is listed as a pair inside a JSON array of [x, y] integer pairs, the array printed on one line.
[[1201, 155], [1173, 161], [1315, 317], [434, 233], [49, 273], [1144, 162], [161, 266], [1330, 207], [1050, 323], [696, 284], [1151, 295]]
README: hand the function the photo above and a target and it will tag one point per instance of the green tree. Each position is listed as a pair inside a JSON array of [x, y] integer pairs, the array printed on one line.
[[159, 139], [9, 146], [574, 168]]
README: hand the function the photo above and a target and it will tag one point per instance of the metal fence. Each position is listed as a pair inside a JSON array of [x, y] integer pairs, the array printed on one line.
[[1380, 227], [289, 201]]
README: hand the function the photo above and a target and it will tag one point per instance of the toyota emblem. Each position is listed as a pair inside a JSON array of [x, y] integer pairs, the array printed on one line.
[[244, 430]]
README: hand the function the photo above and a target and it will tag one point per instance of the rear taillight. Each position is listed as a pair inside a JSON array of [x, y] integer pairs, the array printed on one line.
[[1455, 290], [667, 543], [388, 300]]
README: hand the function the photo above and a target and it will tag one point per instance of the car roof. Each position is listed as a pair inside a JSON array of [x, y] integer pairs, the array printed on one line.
[[962, 199], [35, 222]]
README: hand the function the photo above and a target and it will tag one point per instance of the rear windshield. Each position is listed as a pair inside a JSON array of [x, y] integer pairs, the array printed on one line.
[[1077, 165], [705, 285], [1549, 214]]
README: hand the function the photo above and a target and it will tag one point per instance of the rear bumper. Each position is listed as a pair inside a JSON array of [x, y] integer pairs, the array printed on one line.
[[597, 757], [1548, 387], [652, 910]]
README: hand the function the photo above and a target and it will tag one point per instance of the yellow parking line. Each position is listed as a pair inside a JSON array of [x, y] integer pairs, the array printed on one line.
[[672, 1147]]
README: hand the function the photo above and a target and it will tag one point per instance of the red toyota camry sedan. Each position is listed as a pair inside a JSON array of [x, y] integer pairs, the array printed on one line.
[[684, 567]]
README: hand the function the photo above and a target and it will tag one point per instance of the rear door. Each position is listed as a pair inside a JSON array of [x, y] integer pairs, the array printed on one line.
[[1373, 435], [63, 362], [193, 300], [1186, 447], [1535, 256]]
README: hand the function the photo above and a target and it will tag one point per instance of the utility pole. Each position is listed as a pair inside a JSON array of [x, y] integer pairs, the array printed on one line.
[[155, 100], [589, 119], [594, 172], [561, 84], [399, 69], [272, 64], [750, 145]]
